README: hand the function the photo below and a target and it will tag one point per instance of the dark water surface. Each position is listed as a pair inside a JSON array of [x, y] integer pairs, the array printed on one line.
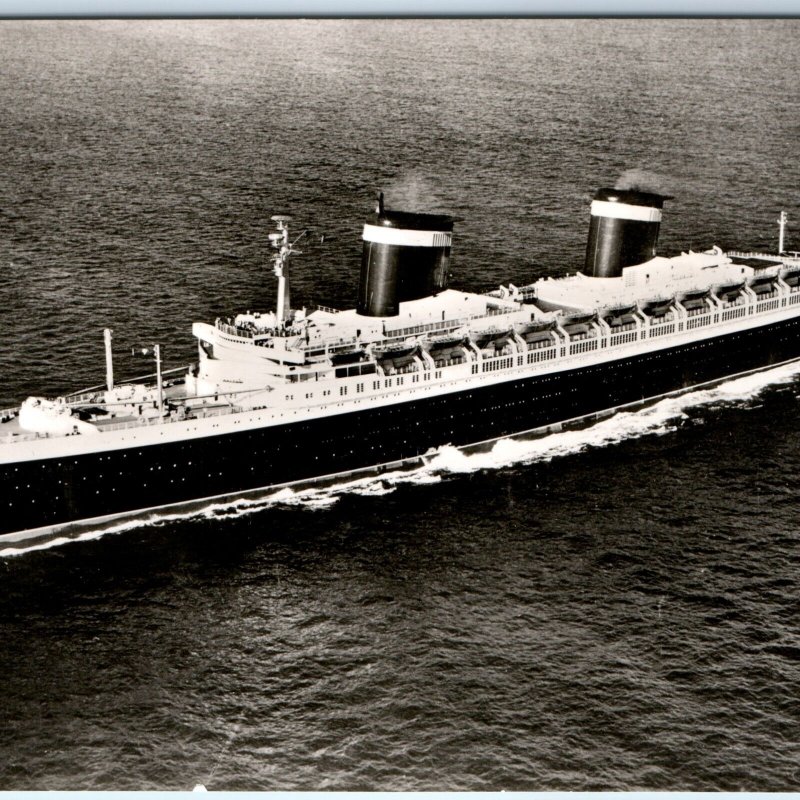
[[610, 609]]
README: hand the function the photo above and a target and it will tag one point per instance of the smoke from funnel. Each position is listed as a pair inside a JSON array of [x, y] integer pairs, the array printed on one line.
[[641, 180], [415, 192]]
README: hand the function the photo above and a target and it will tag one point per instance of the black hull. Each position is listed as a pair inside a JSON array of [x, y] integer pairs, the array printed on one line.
[[62, 490]]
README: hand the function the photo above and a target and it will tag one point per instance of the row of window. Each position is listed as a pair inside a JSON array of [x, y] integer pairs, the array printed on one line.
[[662, 330], [583, 347], [541, 355], [355, 369], [623, 338], [432, 326], [733, 313], [498, 363], [698, 322]]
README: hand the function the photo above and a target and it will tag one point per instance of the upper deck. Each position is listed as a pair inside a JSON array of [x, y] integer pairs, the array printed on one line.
[[658, 278]]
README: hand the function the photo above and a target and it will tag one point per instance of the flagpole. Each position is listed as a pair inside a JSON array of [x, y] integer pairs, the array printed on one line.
[[159, 382], [109, 362]]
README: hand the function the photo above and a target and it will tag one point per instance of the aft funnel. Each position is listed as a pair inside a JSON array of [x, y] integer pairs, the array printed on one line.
[[623, 231]]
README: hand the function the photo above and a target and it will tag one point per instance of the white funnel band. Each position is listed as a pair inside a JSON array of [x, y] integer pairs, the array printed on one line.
[[399, 236], [604, 208]]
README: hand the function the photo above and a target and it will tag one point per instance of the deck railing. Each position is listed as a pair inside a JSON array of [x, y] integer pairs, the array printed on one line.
[[233, 330], [142, 422]]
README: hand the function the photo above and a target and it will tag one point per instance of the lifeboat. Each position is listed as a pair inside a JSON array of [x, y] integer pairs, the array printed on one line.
[[729, 293], [792, 278], [447, 350], [398, 358], [495, 340], [353, 357], [580, 326], [619, 316], [764, 285], [537, 334], [695, 301], [659, 308]]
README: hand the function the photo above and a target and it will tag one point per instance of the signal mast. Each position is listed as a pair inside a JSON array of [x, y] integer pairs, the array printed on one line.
[[280, 241], [782, 226]]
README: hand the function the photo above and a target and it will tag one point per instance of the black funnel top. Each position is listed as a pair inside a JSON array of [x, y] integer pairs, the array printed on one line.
[[412, 221], [632, 197]]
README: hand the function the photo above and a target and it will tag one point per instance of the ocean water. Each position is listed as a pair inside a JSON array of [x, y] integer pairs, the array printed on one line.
[[606, 609]]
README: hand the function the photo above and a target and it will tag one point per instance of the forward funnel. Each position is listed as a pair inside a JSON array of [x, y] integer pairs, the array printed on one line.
[[623, 231], [405, 256]]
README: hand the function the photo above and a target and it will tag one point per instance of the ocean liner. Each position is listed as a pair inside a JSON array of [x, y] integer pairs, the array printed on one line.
[[291, 397]]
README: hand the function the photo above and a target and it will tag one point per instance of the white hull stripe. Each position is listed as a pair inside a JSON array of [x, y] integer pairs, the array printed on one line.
[[381, 235], [604, 208]]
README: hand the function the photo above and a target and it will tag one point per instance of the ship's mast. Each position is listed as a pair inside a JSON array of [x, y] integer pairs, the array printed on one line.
[[782, 228], [159, 380], [107, 336], [154, 351], [280, 241]]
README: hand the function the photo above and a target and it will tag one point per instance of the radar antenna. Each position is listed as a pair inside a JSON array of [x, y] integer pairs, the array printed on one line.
[[280, 241]]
